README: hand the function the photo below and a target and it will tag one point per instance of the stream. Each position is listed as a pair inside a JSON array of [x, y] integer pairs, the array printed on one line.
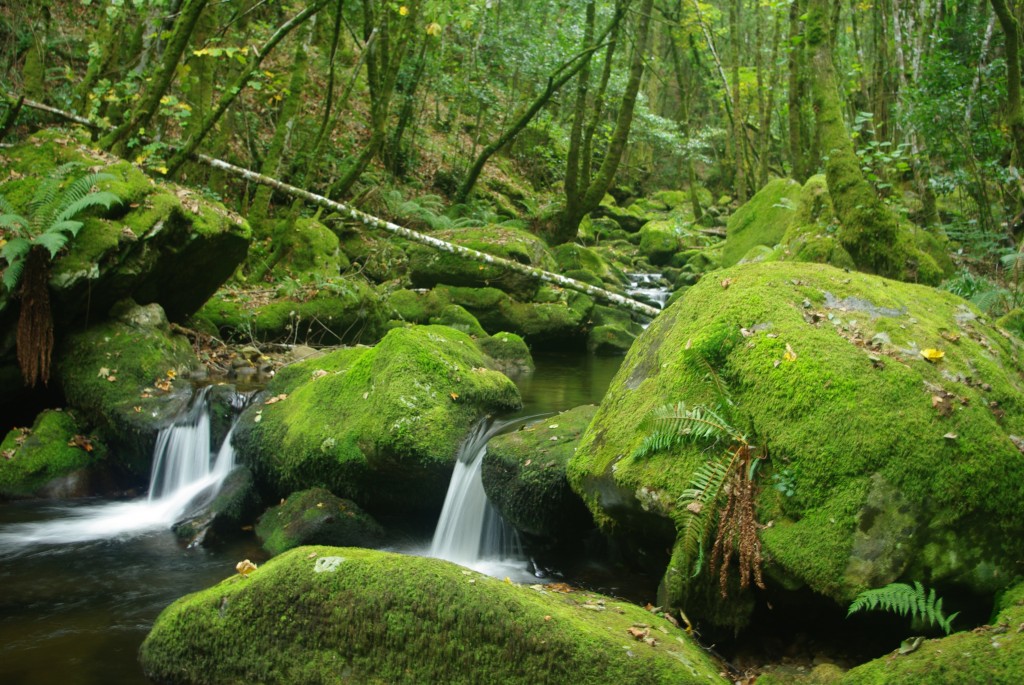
[[77, 601]]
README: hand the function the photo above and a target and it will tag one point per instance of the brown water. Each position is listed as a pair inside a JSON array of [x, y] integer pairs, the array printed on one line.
[[76, 613]]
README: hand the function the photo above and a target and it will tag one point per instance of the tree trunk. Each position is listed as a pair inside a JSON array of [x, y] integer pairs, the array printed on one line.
[[869, 229], [141, 115], [1014, 112], [567, 228]]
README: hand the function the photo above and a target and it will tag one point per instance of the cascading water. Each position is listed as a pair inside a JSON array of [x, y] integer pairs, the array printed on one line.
[[184, 477], [648, 288], [471, 531]]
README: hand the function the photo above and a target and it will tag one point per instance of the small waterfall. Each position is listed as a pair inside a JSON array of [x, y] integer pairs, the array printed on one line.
[[185, 475], [470, 530], [648, 288]]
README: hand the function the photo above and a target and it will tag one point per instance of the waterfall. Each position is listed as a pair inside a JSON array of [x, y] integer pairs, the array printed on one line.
[[185, 475], [470, 530], [648, 288]]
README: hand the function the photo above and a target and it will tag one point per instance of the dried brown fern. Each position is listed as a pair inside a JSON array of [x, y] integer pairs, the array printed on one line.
[[738, 527]]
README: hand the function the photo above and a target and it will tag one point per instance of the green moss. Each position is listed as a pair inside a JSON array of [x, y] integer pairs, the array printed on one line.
[[30, 459], [310, 252], [609, 339], [429, 267], [660, 240], [416, 307], [375, 617], [761, 221], [992, 654], [964, 492], [571, 257], [105, 372], [340, 311], [317, 517], [508, 351], [461, 320], [381, 425], [524, 475]]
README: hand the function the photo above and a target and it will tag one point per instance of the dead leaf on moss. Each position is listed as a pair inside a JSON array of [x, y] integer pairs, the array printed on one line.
[[933, 355], [277, 398], [790, 355], [81, 442]]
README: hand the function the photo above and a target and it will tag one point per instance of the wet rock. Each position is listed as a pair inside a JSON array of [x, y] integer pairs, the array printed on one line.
[[317, 517]]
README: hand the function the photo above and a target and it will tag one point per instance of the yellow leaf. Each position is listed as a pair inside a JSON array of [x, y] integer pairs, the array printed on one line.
[[790, 355], [403, 10], [162, 169], [171, 373], [245, 567], [454, 396], [932, 354], [433, 29]]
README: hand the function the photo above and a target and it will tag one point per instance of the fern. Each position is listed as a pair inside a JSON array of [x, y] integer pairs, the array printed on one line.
[[703, 494], [905, 600]]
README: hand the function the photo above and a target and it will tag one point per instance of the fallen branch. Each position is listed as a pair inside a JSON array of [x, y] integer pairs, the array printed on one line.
[[375, 222]]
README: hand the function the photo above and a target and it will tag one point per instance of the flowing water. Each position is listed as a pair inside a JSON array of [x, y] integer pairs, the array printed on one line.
[[648, 288], [82, 583]]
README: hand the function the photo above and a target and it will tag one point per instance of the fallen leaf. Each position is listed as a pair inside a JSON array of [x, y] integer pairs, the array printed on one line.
[[638, 633], [528, 462], [104, 372], [277, 398], [112, 378], [694, 507], [245, 567], [453, 395], [932, 355], [554, 425], [548, 617], [726, 282], [950, 436], [137, 408], [790, 355], [7, 454], [319, 373]]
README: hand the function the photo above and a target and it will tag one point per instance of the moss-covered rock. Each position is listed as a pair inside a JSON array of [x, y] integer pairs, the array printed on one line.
[[338, 615], [509, 353], [572, 257], [900, 467], [345, 310], [380, 425], [761, 221], [163, 243], [51, 459], [557, 317], [317, 517], [122, 377], [524, 475], [308, 251], [418, 306], [460, 319], [429, 267], [660, 240], [594, 230]]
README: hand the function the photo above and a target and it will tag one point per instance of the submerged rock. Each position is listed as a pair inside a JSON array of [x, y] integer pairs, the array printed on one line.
[[317, 517], [890, 415], [378, 425], [524, 475], [339, 615]]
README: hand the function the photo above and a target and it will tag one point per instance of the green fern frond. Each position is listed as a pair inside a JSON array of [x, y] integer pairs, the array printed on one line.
[[14, 251], [672, 424], [103, 199], [53, 241], [698, 362], [902, 599], [701, 497], [14, 222]]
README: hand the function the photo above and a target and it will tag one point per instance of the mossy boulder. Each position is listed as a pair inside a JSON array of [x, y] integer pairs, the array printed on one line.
[[339, 615], [557, 315], [596, 229], [572, 257], [660, 240], [613, 331], [415, 306], [429, 266], [51, 459], [380, 425], [761, 221], [900, 467], [460, 319], [508, 352], [123, 376], [317, 517], [630, 218], [164, 243], [308, 251], [345, 310], [524, 475]]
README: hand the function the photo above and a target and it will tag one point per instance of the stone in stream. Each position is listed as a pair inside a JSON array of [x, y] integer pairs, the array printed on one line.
[[890, 419], [523, 474], [379, 425], [316, 517], [342, 615]]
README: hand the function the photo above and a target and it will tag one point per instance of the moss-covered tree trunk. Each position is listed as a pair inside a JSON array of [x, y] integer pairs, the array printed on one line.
[[140, 116], [1014, 111], [798, 143], [869, 230], [602, 181]]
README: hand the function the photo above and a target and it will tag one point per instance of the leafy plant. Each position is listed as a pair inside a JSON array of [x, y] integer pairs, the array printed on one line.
[[905, 600], [33, 240], [722, 485]]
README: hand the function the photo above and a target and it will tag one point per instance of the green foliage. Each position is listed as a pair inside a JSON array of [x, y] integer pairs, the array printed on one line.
[[675, 424], [905, 600], [49, 220]]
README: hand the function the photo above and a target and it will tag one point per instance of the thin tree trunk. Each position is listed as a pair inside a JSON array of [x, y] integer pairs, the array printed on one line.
[[238, 85], [1014, 111], [141, 115]]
